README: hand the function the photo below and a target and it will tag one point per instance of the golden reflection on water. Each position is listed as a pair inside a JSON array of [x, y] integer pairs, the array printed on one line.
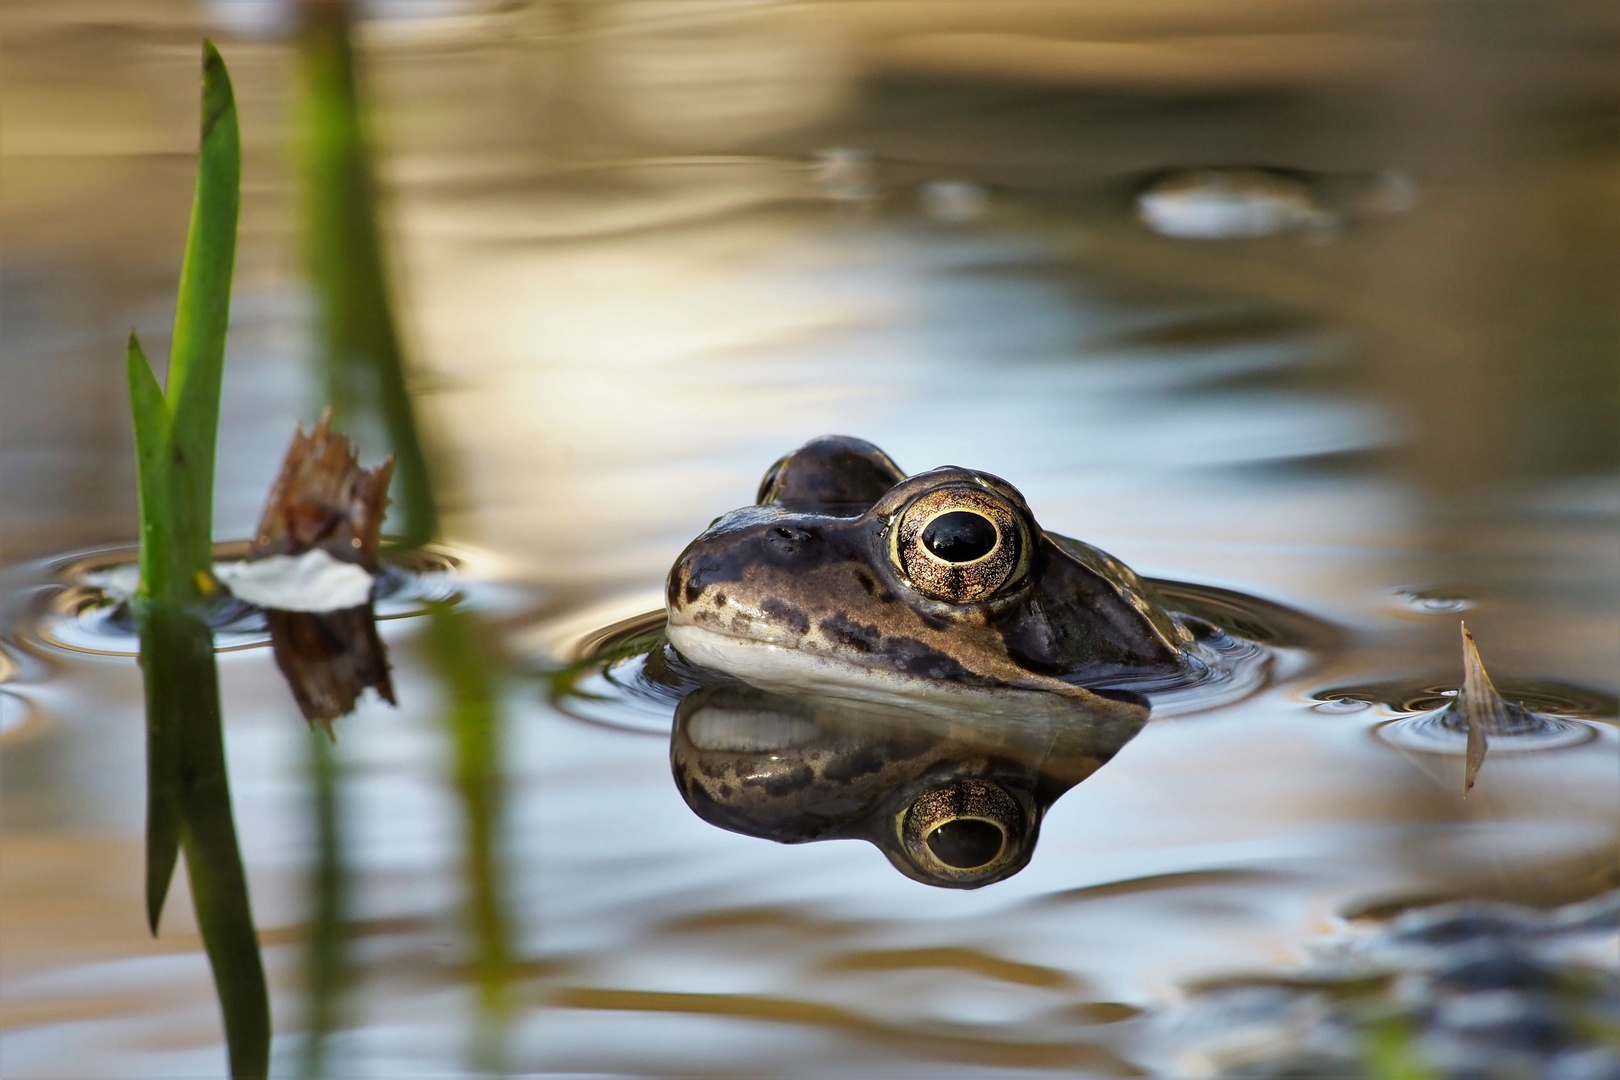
[[630, 286]]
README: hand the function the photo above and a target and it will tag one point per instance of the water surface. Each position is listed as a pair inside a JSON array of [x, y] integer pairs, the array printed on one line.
[[641, 257]]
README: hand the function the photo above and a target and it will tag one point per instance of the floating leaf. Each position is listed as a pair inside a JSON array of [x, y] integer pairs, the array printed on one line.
[[1480, 705], [313, 568]]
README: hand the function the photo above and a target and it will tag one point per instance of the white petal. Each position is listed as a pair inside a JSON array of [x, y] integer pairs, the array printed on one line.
[[313, 581]]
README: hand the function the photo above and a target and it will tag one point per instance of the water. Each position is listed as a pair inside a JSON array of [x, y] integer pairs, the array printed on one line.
[[640, 254]]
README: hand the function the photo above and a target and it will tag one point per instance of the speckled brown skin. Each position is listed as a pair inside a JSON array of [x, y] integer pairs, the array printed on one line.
[[821, 576]]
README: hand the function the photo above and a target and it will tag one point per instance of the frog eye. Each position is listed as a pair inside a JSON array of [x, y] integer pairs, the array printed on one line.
[[963, 833], [959, 543], [768, 484]]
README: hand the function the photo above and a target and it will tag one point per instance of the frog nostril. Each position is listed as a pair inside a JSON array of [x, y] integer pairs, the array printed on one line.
[[787, 539]]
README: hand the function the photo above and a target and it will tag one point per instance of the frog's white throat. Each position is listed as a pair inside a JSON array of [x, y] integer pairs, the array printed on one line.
[[785, 669]]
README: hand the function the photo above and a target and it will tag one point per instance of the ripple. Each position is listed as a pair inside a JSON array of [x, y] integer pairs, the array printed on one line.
[[1226, 669], [1250, 617], [1441, 732], [1339, 706], [1539, 696], [1434, 601], [1550, 714], [625, 675], [88, 611]]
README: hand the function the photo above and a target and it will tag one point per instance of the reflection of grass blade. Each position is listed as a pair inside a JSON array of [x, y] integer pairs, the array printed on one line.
[[464, 662], [359, 341], [326, 967], [169, 694], [213, 861], [1389, 1052], [189, 801]]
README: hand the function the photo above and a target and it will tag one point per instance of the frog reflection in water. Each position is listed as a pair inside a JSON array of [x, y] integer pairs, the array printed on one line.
[[952, 668], [952, 801]]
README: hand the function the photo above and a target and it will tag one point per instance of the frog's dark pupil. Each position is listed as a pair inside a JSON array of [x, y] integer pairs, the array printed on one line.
[[960, 536], [965, 843]]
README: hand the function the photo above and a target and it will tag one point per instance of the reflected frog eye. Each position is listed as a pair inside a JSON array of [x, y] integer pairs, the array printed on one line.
[[966, 843], [958, 543], [964, 832]]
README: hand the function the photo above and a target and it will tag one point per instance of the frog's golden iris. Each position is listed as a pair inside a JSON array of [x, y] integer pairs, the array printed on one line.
[[959, 543]]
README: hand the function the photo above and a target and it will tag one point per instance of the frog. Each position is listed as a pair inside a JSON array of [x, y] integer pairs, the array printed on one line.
[[848, 577]]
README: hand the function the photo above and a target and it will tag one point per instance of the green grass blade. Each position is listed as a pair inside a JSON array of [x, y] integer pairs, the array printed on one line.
[[202, 311], [150, 418]]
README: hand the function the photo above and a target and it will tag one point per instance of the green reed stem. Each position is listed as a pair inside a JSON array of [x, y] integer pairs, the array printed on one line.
[[188, 789], [358, 337], [361, 353]]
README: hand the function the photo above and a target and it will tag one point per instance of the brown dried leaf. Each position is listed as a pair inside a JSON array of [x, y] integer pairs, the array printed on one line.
[[1480, 706], [323, 498]]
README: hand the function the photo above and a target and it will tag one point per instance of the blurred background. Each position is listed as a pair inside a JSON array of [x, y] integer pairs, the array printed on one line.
[[1313, 299]]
